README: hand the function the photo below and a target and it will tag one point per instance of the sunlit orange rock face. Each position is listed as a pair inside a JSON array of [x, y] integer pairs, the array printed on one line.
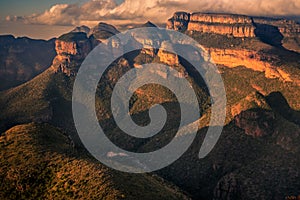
[[274, 32], [168, 58], [68, 52], [224, 24], [220, 18], [247, 58], [75, 48], [235, 30]]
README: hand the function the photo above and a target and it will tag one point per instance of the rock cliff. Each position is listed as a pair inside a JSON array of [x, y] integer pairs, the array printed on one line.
[[71, 49], [249, 59], [273, 31], [241, 40], [287, 32], [224, 24]]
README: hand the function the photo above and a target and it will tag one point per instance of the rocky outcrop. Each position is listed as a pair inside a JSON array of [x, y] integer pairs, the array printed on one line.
[[71, 49], [223, 24], [235, 30], [288, 30], [252, 101], [249, 59], [257, 123], [179, 21], [220, 18], [83, 29], [167, 57], [103, 31], [276, 32]]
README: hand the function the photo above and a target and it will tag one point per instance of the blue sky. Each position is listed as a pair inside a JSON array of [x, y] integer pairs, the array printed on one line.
[[27, 7]]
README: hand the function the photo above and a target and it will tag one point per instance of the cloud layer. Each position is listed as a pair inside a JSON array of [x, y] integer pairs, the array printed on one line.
[[157, 11]]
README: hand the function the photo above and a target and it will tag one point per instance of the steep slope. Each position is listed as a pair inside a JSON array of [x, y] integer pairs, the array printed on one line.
[[262, 125], [238, 40], [255, 158], [285, 32], [47, 98], [23, 58], [38, 161]]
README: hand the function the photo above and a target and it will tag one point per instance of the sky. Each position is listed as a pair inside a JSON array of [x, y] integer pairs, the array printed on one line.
[[50, 18]]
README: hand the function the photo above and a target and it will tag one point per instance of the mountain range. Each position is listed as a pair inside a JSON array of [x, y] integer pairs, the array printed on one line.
[[256, 156]]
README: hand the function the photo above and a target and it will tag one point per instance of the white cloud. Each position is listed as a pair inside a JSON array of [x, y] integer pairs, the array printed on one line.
[[155, 10]]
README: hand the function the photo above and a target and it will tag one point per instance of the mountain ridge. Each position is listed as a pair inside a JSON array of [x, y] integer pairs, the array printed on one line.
[[256, 156]]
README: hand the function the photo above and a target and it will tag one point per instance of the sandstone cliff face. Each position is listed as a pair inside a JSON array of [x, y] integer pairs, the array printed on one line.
[[220, 18], [78, 49], [224, 24], [276, 32], [249, 59], [70, 53], [235, 30], [167, 57], [270, 31], [72, 48]]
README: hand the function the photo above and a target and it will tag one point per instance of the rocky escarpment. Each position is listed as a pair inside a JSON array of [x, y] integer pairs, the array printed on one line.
[[71, 49], [250, 59], [277, 32], [238, 40], [224, 24], [287, 32], [288, 28]]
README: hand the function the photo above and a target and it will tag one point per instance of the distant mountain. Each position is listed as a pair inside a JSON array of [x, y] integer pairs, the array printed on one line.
[[23, 58], [84, 29]]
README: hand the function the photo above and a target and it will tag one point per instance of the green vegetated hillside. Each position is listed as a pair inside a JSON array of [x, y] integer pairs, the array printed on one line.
[[255, 158], [38, 161]]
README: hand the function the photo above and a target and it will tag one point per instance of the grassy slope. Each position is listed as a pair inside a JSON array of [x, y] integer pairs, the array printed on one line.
[[51, 93], [38, 161]]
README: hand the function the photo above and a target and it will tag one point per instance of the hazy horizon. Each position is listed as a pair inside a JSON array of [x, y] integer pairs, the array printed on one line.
[[51, 18]]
